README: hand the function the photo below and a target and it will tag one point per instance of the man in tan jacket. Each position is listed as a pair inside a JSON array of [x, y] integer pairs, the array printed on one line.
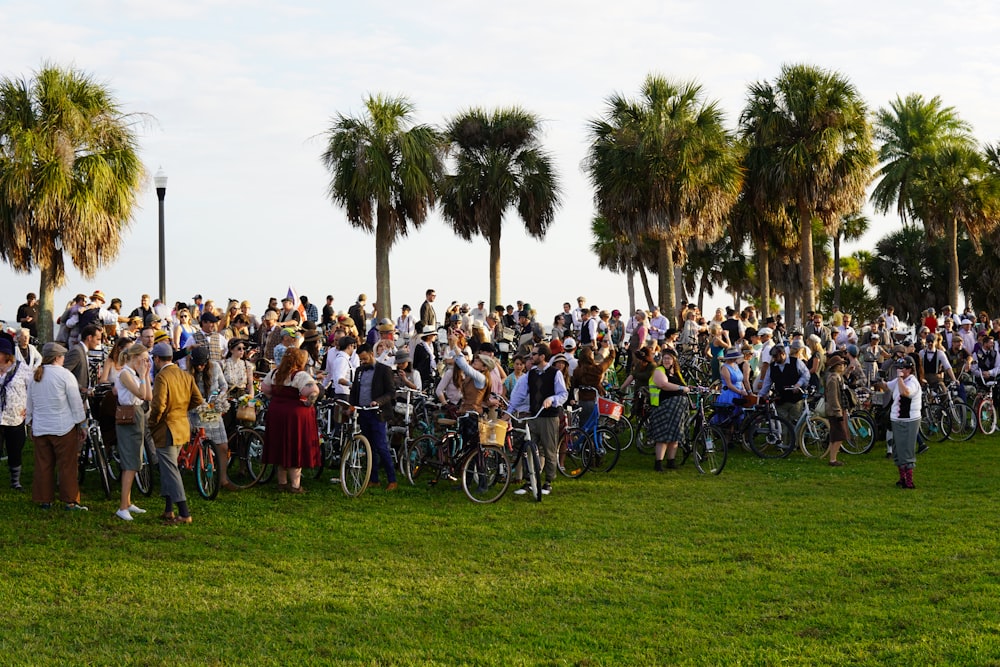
[[174, 394]]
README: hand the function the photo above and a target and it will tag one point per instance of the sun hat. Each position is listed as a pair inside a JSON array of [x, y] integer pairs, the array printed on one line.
[[556, 346], [765, 331], [402, 356], [560, 357], [488, 361], [385, 325], [732, 353], [428, 330], [98, 295]]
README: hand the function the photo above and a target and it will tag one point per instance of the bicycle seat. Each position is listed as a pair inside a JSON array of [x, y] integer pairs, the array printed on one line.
[[447, 422]]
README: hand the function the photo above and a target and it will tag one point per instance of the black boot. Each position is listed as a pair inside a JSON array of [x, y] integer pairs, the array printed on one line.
[[15, 478], [671, 464], [658, 465]]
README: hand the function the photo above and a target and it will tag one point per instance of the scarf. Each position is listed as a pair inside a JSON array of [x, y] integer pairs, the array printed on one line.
[[3, 386]]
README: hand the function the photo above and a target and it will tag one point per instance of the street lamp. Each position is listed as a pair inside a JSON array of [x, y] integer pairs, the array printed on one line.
[[160, 179]]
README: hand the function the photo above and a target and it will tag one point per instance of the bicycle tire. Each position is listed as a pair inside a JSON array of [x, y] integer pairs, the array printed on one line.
[[144, 475], [246, 447], [641, 444], [206, 473], [534, 463], [622, 429], [114, 465], [416, 455], [932, 425], [860, 433], [961, 425], [606, 452], [485, 474], [355, 466], [574, 454], [770, 437], [814, 437], [328, 459], [986, 417], [101, 461], [710, 451]]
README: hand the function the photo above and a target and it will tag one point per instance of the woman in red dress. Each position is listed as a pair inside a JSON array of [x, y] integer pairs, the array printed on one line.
[[291, 439]]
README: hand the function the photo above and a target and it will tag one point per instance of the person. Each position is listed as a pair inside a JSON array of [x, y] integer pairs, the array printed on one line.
[[424, 356], [541, 391], [357, 312], [238, 373], [312, 313], [77, 359], [589, 375], [475, 388], [132, 388], [15, 376], [789, 377], [891, 321], [581, 304], [734, 390], [339, 370], [836, 413], [174, 395], [27, 314], [666, 397], [406, 376], [329, 314], [845, 334], [718, 344], [905, 417], [511, 380], [373, 386], [143, 310], [211, 384], [54, 409], [183, 334], [288, 341], [289, 315], [291, 440], [934, 364], [428, 316], [405, 324], [208, 337], [25, 351], [115, 362]]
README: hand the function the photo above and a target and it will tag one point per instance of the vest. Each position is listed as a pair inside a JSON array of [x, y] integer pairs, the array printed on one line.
[[585, 338], [541, 386], [932, 364], [787, 377], [655, 392], [472, 398]]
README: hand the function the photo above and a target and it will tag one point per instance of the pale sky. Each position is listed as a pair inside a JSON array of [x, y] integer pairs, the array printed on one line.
[[242, 92]]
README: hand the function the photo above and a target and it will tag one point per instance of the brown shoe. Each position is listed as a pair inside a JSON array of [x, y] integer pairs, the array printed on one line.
[[167, 516], [836, 464], [392, 486], [297, 490], [283, 488], [178, 521]]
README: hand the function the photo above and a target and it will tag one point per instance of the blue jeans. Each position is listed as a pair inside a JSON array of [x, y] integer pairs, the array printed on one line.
[[373, 428]]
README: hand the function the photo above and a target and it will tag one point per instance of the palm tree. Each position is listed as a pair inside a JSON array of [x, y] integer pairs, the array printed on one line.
[[664, 167], [909, 133], [69, 176], [812, 129], [499, 164], [851, 228], [384, 171]]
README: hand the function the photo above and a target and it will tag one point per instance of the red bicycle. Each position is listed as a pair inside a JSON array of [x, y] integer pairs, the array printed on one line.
[[199, 456]]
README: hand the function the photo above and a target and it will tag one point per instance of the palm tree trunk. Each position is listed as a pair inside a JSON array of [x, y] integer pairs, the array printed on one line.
[[702, 285], [674, 316], [645, 287], [495, 261], [630, 284], [806, 264], [951, 234], [47, 294], [836, 270], [666, 269], [791, 305], [383, 244], [764, 276]]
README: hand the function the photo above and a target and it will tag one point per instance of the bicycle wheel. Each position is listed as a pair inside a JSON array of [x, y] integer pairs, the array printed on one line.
[[641, 444], [814, 436], [860, 433], [987, 416], [355, 466], [622, 429], [932, 425], [534, 471], [415, 456], [574, 453], [144, 475], [710, 451], [770, 437], [101, 461], [114, 465], [486, 474], [260, 471], [205, 472], [961, 421], [606, 451], [245, 449]]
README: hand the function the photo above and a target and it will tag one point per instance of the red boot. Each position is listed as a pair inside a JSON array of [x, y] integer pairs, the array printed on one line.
[[909, 478], [901, 482]]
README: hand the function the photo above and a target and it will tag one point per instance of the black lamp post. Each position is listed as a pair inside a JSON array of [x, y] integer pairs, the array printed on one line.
[[161, 192]]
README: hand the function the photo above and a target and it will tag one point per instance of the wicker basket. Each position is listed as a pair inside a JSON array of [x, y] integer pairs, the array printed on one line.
[[492, 432]]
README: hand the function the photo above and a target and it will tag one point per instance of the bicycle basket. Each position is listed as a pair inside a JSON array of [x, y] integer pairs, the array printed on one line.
[[609, 408], [492, 432], [342, 412]]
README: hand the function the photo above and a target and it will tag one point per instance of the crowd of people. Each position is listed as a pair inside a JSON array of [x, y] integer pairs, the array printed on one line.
[[163, 366]]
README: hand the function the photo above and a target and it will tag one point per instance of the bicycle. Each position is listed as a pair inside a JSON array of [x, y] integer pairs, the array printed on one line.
[[482, 469], [702, 440], [603, 452], [812, 430], [413, 408], [246, 452], [525, 454], [761, 428], [945, 417], [345, 447], [984, 408], [93, 455], [199, 456]]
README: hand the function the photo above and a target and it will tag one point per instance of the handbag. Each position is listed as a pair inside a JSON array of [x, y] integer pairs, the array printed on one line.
[[246, 413], [125, 414], [820, 408]]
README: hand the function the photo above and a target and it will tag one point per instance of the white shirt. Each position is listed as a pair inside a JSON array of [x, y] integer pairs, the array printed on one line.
[[54, 405], [913, 386], [891, 322], [658, 326], [406, 326], [34, 359], [338, 365], [478, 314]]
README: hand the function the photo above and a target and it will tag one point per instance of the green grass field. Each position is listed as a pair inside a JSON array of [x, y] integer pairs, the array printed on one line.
[[773, 562]]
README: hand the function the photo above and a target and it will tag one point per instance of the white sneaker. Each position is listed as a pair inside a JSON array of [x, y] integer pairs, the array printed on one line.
[[123, 515], [523, 490], [334, 480], [136, 510]]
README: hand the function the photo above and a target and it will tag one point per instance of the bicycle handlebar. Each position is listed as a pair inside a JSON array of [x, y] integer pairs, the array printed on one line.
[[526, 419]]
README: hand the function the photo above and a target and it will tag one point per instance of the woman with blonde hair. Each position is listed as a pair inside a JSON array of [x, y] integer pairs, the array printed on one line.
[[133, 387], [184, 331], [816, 360]]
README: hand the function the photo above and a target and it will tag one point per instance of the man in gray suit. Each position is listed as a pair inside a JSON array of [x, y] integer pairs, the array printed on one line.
[[77, 361]]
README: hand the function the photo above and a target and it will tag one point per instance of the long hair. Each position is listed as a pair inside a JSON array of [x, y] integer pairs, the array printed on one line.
[[294, 360], [121, 344], [46, 361]]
